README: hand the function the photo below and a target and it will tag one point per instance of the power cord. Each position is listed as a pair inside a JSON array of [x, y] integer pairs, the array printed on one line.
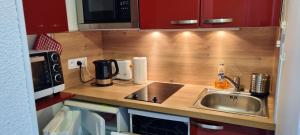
[[79, 63]]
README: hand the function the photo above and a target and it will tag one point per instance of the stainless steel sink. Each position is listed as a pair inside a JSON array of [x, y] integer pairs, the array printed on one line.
[[232, 102]]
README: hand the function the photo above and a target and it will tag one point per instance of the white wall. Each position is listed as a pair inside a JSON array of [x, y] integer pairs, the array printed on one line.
[[288, 105], [17, 115], [299, 125]]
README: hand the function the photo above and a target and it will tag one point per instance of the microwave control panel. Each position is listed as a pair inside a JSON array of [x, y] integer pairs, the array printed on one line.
[[124, 10]]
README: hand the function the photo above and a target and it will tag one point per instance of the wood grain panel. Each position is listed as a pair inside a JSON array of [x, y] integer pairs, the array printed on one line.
[[75, 45], [193, 57]]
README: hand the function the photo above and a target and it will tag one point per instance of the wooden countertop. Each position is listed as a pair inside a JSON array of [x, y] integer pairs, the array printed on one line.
[[180, 103]]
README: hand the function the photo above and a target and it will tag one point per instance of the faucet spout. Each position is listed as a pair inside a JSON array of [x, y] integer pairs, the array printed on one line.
[[235, 82]]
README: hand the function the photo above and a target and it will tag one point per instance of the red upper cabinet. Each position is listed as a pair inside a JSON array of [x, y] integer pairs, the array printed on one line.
[[169, 14], [45, 16], [203, 127], [239, 13], [263, 13]]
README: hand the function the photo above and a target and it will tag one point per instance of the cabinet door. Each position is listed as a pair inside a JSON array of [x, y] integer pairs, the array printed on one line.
[[45, 16], [56, 16], [34, 16], [201, 127], [239, 13], [263, 13], [169, 14]]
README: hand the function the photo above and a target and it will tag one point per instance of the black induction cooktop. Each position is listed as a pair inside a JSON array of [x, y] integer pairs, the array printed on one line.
[[155, 92]]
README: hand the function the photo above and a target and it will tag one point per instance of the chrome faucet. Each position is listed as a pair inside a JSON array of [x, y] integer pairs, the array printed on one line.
[[235, 82]]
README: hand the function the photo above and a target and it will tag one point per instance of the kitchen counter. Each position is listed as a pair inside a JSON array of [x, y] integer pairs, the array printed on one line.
[[180, 103]]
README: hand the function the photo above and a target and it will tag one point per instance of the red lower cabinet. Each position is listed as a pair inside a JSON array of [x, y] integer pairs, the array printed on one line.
[[203, 127]]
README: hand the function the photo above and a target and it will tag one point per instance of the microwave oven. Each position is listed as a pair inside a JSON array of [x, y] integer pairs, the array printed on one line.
[[46, 73], [107, 14]]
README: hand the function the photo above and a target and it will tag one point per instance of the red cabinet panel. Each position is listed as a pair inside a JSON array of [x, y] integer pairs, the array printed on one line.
[[45, 16], [228, 129], [244, 13], [169, 14], [158, 14], [51, 100]]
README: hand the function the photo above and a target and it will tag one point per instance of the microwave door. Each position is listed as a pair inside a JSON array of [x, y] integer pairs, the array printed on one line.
[[107, 14], [40, 73], [99, 11]]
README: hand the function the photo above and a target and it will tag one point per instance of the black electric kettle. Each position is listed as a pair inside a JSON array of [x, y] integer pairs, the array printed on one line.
[[104, 73]]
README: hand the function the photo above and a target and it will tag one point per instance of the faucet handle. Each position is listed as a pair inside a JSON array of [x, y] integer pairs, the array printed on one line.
[[237, 80]]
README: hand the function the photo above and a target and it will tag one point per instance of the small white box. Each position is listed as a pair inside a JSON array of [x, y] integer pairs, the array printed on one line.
[[125, 71]]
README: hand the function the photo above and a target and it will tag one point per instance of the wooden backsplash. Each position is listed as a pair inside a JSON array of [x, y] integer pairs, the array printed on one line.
[[193, 57], [75, 45]]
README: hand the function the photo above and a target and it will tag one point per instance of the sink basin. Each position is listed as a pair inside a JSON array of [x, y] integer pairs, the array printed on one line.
[[232, 102]]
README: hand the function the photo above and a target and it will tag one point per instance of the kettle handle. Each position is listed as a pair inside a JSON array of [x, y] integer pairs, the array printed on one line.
[[117, 67]]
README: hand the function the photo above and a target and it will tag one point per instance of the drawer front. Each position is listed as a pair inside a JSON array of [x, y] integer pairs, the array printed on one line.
[[202, 127]]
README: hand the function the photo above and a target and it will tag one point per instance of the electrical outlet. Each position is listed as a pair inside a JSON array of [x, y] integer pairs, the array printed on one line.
[[72, 63]]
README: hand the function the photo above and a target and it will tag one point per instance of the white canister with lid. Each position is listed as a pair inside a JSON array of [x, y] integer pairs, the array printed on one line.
[[139, 70]]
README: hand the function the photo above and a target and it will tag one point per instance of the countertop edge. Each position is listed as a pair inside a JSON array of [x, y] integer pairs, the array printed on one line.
[[267, 125]]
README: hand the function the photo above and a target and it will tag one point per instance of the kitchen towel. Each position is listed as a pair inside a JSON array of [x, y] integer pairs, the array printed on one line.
[[45, 42]]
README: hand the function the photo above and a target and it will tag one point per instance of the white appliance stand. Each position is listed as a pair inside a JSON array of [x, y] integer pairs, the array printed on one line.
[[122, 118], [80, 117]]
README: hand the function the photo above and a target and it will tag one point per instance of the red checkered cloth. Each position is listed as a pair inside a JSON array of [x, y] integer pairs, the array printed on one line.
[[44, 42]]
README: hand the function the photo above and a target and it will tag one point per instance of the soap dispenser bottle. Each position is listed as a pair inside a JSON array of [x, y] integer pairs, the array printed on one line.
[[221, 82]]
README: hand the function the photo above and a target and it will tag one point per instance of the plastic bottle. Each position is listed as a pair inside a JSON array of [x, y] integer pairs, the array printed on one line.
[[221, 82]]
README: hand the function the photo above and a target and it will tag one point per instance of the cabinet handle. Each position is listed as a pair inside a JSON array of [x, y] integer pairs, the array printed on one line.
[[210, 127], [40, 26], [184, 22], [218, 21], [54, 25]]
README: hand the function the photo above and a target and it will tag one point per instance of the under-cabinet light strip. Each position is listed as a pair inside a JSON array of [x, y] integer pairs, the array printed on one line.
[[196, 29]]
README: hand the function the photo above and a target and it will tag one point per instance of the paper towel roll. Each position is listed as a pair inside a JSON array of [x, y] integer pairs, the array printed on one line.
[[139, 70]]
